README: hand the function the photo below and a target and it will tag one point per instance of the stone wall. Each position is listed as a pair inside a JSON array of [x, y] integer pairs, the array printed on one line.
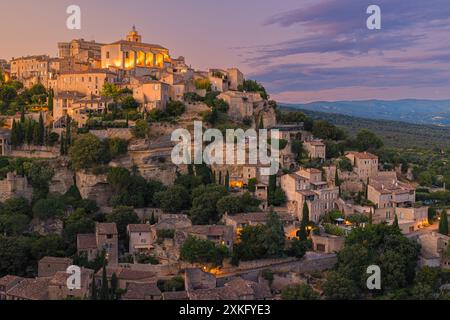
[[15, 186]]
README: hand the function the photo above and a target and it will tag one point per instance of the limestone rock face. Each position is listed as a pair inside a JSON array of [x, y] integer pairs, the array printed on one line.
[[267, 112], [50, 226], [62, 180], [94, 187]]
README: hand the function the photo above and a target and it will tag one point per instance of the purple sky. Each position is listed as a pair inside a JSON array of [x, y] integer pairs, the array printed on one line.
[[302, 50]]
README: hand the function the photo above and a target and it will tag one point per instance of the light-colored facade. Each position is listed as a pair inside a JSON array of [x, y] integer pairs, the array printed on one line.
[[152, 95], [32, 70], [316, 149], [132, 52], [140, 238], [307, 186], [364, 164], [85, 82]]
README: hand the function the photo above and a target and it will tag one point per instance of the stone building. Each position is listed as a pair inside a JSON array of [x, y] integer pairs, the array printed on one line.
[[32, 70], [15, 186], [105, 239], [365, 164], [49, 266], [132, 53], [307, 186], [140, 238], [58, 290]]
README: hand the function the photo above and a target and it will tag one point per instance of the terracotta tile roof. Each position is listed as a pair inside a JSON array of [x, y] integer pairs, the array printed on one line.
[[211, 230], [139, 227], [106, 228], [139, 44], [31, 289], [9, 279], [127, 274], [258, 217], [175, 295], [50, 260], [86, 241], [60, 278], [363, 155], [139, 291], [241, 286]]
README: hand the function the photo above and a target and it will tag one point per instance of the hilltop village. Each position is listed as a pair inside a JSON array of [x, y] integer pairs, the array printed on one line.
[[87, 180]]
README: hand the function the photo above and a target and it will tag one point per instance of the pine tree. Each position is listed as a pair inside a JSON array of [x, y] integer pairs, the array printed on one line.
[[443, 223], [41, 130], [303, 235], [113, 294], [227, 181], [104, 291]]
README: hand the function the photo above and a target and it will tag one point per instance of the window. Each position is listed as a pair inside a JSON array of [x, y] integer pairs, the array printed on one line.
[[107, 54]]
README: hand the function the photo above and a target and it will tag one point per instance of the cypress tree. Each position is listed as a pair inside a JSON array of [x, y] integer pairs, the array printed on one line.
[[220, 177], [104, 291], [68, 131], [36, 135], [395, 224], [152, 219], [191, 169], [227, 181], [14, 134], [114, 281], [94, 291], [367, 190], [303, 234], [261, 123], [443, 223], [61, 146], [337, 181], [41, 130], [28, 132], [22, 115], [50, 99], [370, 217]]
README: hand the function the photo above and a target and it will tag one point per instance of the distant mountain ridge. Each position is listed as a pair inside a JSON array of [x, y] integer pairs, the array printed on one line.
[[435, 112]]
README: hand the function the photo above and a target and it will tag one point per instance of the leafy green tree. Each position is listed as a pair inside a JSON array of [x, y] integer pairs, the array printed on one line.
[[431, 215], [204, 204], [140, 130], [128, 102], [443, 223], [274, 240], [339, 287], [367, 140], [229, 204], [277, 198], [298, 248], [251, 186], [195, 250], [123, 216], [174, 199], [86, 152], [48, 208], [175, 108]]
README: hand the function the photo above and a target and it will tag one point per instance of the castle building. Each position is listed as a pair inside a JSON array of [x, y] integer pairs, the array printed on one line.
[[133, 53]]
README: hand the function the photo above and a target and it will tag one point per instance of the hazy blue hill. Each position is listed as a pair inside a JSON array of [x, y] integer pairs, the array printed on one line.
[[435, 112], [394, 133]]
